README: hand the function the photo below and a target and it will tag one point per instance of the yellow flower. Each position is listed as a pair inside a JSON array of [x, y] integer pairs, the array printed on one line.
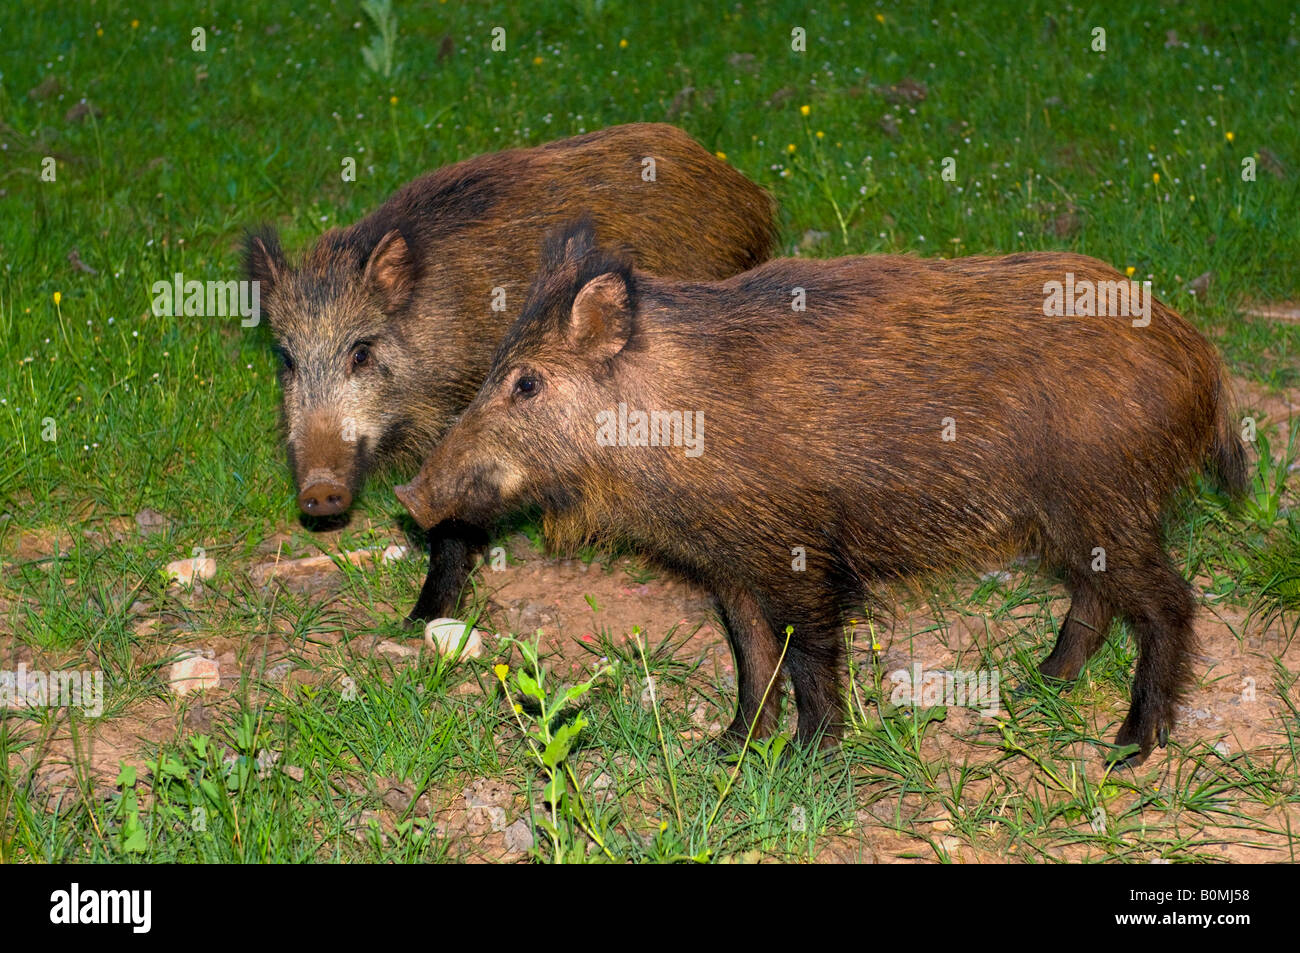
[[1155, 177], [519, 709], [1129, 271], [58, 296], [805, 110], [537, 61], [135, 24], [392, 100], [99, 32], [820, 134], [876, 646], [663, 826], [721, 155], [622, 44], [791, 147], [880, 18], [1229, 136], [501, 671]]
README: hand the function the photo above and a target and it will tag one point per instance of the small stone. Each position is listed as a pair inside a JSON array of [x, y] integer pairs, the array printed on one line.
[[396, 650], [150, 521], [314, 572], [186, 572], [1223, 749], [519, 837], [279, 671], [144, 628], [397, 798], [199, 718], [445, 636], [294, 772], [193, 674], [480, 820]]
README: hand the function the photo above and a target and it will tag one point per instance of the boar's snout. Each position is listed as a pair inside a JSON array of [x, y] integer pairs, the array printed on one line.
[[324, 498], [412, 496]]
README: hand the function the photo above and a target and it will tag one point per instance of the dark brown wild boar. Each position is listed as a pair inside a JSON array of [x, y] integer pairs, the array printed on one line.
[[386, 328], [918, 416]]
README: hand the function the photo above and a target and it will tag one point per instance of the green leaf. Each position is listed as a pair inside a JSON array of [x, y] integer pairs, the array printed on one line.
[[554, 790], [134, 842], [576, 692], [126, 777], [169, 767], [528, 685], [778, 745], [557, 749], [210, 789]]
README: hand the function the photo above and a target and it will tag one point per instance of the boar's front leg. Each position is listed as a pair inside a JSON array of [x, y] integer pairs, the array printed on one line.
[[453, 548], [757, 655]]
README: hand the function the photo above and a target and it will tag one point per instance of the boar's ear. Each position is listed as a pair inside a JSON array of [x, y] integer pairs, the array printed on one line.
[[601, 321], [263, 258], [390, 272]]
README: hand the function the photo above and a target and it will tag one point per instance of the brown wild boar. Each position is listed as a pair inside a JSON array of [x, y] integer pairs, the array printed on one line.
[[916, 416], [386, 328]]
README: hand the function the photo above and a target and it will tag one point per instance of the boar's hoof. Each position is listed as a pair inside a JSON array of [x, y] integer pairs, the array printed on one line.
[[324, 499]]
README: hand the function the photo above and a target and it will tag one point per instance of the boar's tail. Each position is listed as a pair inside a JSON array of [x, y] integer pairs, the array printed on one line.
[[1227, 453]]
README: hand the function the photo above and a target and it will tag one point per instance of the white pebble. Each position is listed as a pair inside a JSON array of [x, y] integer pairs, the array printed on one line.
[[194, 674], [186, 571], [445, 635]]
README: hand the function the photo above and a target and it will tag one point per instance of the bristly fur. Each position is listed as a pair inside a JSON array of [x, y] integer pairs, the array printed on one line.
[[257, 265], [825, 432], [571, 257], [427, 322]]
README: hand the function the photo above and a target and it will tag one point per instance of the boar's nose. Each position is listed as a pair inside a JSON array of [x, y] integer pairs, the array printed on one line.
[[324, 498]]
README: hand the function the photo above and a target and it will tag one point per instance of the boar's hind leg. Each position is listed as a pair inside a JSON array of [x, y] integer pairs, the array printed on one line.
[[1158, 604], [453, 547], [814, 660], [757, 653], [1082, 632]]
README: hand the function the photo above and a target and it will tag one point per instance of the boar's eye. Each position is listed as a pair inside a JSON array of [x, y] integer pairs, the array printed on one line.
[[286, 361], [360, 355], [527, 385]]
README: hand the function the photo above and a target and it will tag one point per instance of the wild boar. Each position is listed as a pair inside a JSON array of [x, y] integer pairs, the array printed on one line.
[[886, 416], [386, 328]]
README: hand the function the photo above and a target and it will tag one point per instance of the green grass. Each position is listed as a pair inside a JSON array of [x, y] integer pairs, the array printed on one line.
[[1134, 156]]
